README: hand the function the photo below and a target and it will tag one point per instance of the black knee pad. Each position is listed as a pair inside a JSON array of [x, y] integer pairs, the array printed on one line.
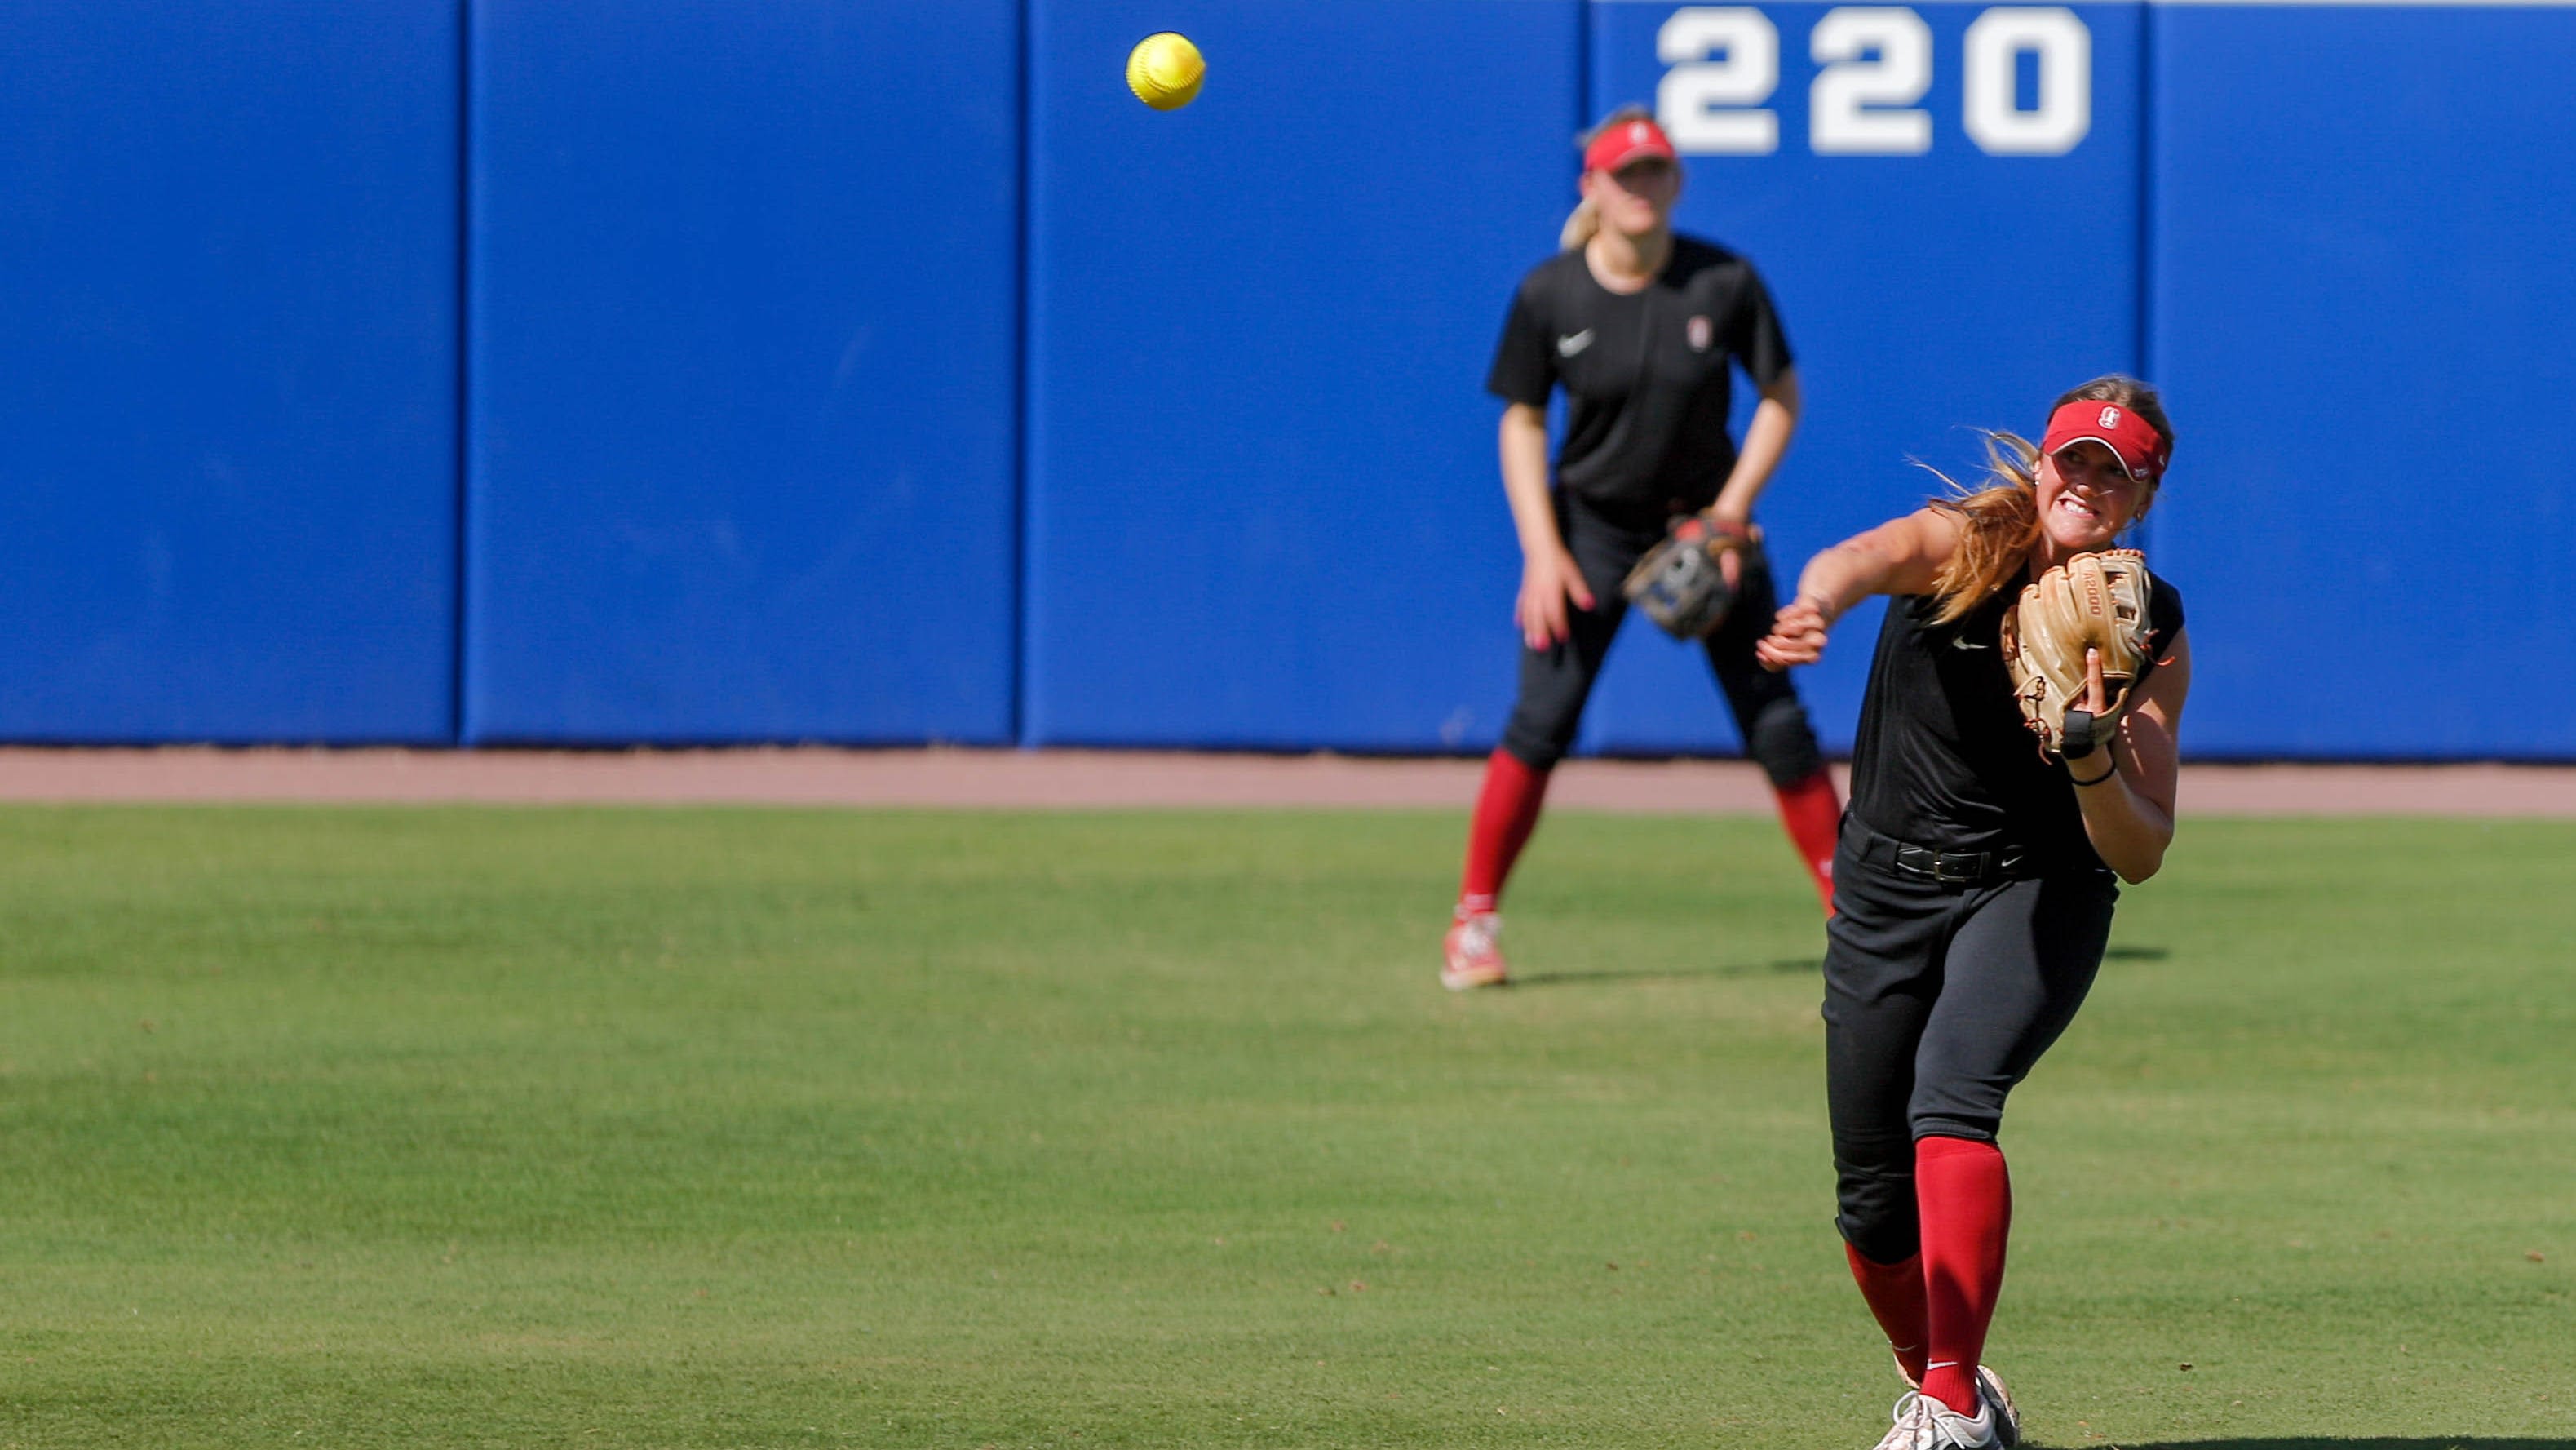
[[1784, 743], [1545, 718], [1535, 746], [1956, 1122], [1878, 1215]]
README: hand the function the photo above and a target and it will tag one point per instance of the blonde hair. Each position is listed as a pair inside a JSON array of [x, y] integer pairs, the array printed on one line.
[[1579, 227], [1999, 523], [1585, 220]]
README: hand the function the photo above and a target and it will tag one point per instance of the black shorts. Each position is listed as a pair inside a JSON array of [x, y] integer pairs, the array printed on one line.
[[1557, 681], [1939, 999]]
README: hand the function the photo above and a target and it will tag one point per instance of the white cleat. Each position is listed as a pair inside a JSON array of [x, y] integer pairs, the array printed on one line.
[[2007, 1417], [1995, 1426], [1472, 954], [1913, 1428], [1954, 1431], [1991, 1395]]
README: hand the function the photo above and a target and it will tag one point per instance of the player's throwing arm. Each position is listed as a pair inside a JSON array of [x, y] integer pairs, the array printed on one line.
[[2015, 762]]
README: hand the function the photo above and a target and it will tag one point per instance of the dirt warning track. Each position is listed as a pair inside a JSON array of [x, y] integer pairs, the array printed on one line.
[[1096, 780]]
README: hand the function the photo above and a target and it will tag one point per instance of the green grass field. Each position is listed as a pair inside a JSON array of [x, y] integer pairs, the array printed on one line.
[[764, 1128]]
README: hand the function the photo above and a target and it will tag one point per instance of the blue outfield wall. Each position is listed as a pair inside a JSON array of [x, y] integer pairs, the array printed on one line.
[[228, 373], [2365, 317], [744, 325], [678, 371], [1262, 506]]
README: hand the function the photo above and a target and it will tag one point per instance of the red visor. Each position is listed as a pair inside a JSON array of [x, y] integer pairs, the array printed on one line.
[[2142, 450], [1628, 141]]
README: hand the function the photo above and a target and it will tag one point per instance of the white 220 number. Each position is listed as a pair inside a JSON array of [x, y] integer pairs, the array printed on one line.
[[1877, 62]]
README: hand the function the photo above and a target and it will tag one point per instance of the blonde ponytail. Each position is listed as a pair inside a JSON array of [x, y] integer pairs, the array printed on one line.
[[1998, 524], [1579, 226]]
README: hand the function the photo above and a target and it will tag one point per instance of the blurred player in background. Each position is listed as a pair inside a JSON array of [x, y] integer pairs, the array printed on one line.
[[1975, 881], [1640, 328]]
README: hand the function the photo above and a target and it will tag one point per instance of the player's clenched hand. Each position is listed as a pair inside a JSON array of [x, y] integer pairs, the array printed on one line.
[[1797, 635], [1548, 581], [2096, 702]]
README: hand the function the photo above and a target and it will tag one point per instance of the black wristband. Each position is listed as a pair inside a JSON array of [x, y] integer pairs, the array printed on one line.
[[2111, 770]]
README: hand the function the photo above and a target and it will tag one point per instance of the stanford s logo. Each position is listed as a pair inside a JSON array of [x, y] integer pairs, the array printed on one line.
[[1701, 333], [2110, 418]]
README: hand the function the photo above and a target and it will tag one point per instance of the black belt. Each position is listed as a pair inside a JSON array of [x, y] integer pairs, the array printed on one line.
[[1949, 868]]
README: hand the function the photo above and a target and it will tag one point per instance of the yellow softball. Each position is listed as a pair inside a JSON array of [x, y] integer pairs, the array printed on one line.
[[1164, 70]]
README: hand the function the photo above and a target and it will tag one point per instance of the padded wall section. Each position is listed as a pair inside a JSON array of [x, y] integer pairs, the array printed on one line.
[[227, 378], [1263, 502], [2365, 278], [744, 301], [1933, 280]]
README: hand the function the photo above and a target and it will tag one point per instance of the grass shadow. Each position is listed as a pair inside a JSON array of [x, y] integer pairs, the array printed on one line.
[[1786, 967], [1783, 967]]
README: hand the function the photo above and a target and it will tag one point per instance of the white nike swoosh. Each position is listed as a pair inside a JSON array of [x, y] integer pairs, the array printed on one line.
[[1569, 346], [1959, 642]]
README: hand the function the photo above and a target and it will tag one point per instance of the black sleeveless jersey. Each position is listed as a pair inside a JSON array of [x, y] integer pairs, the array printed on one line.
[[1943, 759], [1646, 376]]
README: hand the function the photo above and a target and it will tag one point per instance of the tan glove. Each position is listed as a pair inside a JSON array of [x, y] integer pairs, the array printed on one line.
[[2093, 602]]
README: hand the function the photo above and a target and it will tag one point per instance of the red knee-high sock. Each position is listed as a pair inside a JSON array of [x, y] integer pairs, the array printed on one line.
[[1895, 1295], [1813, 815], [1965, 1198], [1506, 813]]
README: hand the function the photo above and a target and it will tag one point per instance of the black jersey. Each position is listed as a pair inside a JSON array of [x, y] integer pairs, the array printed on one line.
[[1943, 758], [1645, 374]]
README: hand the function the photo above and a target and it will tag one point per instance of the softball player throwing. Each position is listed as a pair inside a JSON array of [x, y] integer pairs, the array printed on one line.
[[1976, 874], [1639, 327]]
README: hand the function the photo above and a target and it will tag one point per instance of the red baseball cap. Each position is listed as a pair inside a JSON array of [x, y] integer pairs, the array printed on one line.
[[1627, 141], [2140, 448]]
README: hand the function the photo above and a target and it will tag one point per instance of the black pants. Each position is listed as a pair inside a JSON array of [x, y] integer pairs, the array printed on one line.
[[1939, 998], [1556, 681]]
